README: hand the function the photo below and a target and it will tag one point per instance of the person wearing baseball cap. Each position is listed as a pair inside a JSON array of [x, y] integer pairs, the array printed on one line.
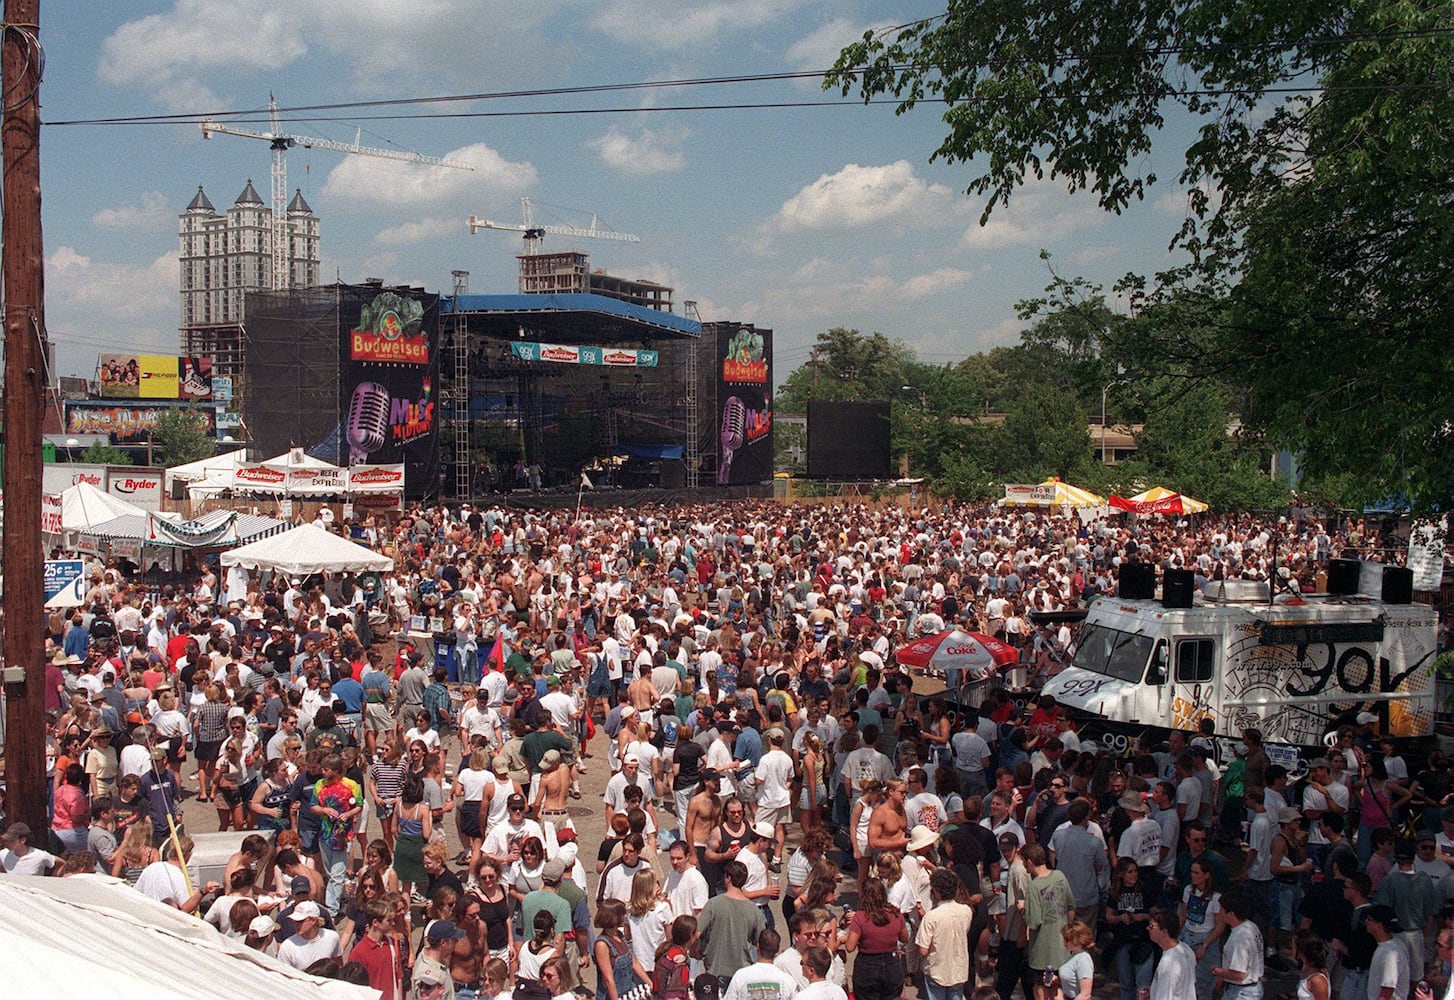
[[311, 942], [17, 857], [431, 968]]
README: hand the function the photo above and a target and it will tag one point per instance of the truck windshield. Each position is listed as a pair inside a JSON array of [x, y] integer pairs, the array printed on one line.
[[1109, 651]]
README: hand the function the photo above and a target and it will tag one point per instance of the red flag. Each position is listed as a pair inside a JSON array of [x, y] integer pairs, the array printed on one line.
[[498, 654]]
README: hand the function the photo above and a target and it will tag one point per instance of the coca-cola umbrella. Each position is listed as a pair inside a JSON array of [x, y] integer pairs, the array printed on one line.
[[970, 653]]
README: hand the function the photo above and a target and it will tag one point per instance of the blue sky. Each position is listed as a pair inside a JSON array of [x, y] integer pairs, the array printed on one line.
[[794, 219]]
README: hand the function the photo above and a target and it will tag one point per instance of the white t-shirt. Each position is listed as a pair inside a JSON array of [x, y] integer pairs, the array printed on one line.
[[970, 751], [686, 893], [926, 809], [775, 774], [300, 952], [1314, 799], [35, 862], [615, 796], [1142, 843], [822, 990], [1390, 967], [163, 882], [1176, 974], [1189, 794], [472, 783], [498, 840], [761, 980]]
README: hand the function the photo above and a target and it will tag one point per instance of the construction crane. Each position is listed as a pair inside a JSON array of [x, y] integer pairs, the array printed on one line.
[[281, 142], [535, 234]]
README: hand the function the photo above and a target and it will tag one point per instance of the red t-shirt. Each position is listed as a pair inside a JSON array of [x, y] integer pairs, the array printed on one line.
[[382, 961], [873, 939]]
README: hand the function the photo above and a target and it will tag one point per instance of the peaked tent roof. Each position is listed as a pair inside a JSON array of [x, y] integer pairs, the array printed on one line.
[[298, 204], [307, 549], [1155, 493], [1064, 494], [99, 931], [84, 506], [220, 467]]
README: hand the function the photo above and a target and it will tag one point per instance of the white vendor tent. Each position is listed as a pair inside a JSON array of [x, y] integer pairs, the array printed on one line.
[[97, 936], [84, 506], [218, 469], [308, 549], [212, 475]]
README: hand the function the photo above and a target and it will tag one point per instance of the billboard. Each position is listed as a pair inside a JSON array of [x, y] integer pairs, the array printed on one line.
[[125, 423], [744, 397], [58, 478], [142, 487], [849, 440], [154, 376], [386, 387]]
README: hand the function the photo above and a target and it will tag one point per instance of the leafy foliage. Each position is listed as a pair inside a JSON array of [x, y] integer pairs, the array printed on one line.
[[1315, 304], [181, 436], [105, 454]]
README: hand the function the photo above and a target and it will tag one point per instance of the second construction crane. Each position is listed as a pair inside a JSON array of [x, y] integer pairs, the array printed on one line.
[[281, 142], [535, 233]]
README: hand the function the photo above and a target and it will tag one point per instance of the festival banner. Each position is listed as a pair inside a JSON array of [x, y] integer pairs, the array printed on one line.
[[1024, 493], [260, 478], [390, 330], [317, 482], [615, 357], [51, 512], [744, 395], [1170, 504], [376, 479]]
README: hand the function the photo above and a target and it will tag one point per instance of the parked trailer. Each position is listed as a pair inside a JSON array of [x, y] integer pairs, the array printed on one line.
[[1295, 667]]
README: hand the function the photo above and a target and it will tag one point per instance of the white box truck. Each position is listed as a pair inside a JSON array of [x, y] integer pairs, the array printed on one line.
[[1293, 666]]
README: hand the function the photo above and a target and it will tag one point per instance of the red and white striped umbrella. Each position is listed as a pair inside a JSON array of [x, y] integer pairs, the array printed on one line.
[[975, 653]]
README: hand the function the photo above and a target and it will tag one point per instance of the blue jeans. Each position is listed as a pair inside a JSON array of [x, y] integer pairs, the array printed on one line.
[[469, 664], [335, 866], [933, 991], [1131, 974]]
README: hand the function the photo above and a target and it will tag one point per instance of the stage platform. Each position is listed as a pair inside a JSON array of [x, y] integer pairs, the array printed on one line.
[[562, 499]]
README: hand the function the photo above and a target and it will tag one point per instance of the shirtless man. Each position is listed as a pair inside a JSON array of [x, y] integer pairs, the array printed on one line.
[[888, 826], [552, 791], [467, 960], [703, 813], [642, 693]]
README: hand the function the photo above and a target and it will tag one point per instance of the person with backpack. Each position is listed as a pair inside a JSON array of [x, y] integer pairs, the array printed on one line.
[[671, 975]]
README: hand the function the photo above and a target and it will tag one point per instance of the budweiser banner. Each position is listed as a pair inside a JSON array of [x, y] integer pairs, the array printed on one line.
[[376, 478], [316, 481], [262, 478], [610, 356]]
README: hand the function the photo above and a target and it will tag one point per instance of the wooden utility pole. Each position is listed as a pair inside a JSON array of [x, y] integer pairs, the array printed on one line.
[[25, 383]]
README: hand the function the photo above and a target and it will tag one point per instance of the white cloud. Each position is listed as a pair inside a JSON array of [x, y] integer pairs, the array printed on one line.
[[181, 53], [1040, 212], [934, 282], [819, 49], [91, 305], [666, 24], [1177, 203], [366, 180], [650, 151], [168, 53], [419, 231], [859, 196], [154, 213]]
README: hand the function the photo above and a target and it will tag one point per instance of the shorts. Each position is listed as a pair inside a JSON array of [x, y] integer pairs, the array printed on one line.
[[774, 814], [177, 749], [232, 797], [207, 750], [308, 839], [378, 718], [469, 820], [383, 811], [747, 789]]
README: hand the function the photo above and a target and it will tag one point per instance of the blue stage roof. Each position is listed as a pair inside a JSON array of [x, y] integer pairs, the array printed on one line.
[[588, 305]]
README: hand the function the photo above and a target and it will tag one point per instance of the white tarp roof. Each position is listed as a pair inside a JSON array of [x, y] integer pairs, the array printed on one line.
[[95, 935], [84, 506], [307, 549], [218, 469]]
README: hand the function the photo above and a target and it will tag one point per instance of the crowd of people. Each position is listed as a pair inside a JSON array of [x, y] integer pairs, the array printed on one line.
[[731, 667]]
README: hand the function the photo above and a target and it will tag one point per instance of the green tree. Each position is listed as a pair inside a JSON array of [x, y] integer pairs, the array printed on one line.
[[1044, 434], [847, 364], [181, 436], [106, 454], [1321, 188]]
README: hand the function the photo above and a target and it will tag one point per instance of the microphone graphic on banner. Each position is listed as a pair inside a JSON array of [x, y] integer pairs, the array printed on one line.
[[368, 420], [734, 419]]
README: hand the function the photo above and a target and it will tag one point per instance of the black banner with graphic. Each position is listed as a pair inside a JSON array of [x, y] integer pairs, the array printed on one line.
[[388, 379], [744, 404]]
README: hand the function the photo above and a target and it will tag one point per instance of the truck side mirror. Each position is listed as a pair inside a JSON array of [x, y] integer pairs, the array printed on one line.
[[1157, 673]]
